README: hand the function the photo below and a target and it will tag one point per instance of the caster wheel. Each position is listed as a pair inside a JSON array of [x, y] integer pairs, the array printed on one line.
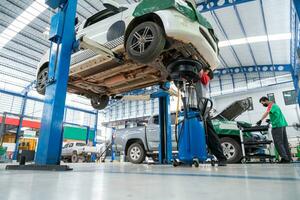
[[244, 161], [213, 163], [196, 163], [175, 163]]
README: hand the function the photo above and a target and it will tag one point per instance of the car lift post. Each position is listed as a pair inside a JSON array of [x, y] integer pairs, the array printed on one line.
[[165, 146], [296, 73], [21, 117], [62, 37]]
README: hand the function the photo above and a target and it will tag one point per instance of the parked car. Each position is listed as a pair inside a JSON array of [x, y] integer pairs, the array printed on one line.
[[229, 132], [143, 140], [73, 151], [128, 47]]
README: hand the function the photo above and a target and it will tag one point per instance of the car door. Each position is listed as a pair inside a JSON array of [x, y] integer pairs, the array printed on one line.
[[70, 149], [104, 26], [173, 127], [152, 133], [64, 149]]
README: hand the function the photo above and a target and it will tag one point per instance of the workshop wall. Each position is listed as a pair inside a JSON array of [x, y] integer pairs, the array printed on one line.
[[291, 112]]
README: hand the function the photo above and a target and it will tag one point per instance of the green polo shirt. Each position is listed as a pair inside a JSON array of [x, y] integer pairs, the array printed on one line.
[[276, 116]]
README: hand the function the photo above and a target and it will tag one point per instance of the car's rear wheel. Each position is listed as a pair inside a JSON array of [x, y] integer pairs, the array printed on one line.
[[145, 42], [74, 158], [136, 153], [231, 149], [41, 81], [100, 102]]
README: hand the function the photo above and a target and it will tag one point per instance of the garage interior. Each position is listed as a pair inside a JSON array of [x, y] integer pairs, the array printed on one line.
[[66, 144]]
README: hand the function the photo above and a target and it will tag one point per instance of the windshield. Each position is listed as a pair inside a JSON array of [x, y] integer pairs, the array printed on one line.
[[80, 144]]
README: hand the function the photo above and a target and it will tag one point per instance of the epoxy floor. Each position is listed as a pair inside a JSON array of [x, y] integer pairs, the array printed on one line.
[[123, 181]]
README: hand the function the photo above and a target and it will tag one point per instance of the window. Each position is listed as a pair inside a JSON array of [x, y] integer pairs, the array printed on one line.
[[99, 16], [271, 97], [173, 118], [70, 145], [251, 103], [80, 144], [289, 97], [66, 146], [155, 120]]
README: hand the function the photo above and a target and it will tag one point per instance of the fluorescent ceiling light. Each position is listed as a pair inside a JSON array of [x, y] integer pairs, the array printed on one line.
[[27, 16], [255, 39]]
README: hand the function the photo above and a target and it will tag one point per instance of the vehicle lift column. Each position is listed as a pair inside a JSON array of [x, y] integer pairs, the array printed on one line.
[[62, 37], [165, 146]]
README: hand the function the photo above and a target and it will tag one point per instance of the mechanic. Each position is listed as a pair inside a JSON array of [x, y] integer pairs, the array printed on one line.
[[279, 125], [213, 141]]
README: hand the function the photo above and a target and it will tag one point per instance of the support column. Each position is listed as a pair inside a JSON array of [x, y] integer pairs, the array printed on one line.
[[22, 113], [165, 146], [62, 36]]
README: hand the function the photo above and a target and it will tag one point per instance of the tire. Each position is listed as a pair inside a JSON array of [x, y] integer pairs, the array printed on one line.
[[74, 158], [41, 81], [136, 153], [196, 163], [232, 150], [100, 102], [141, 50]]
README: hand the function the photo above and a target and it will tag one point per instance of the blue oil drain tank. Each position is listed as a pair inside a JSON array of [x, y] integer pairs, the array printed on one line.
[[191, 139]]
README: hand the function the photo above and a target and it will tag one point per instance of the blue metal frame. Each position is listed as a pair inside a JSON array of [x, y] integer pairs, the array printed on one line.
[[22, 112], [95, 127], [41, 100], [295, 46], [297, 6], [210, 5], [165, 146], [249, 69], [62, 36]]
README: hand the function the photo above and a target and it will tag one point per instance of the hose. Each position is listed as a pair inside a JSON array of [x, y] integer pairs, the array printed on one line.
[[176, 117]]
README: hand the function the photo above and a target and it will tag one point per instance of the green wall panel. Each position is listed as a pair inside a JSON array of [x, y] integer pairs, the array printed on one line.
[[77, 133]]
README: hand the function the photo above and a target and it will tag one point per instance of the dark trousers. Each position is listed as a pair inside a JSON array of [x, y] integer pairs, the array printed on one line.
[[213, 141], [281, 142]]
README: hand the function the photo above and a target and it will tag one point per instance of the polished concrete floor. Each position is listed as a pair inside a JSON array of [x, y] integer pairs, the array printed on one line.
[[122, 181]]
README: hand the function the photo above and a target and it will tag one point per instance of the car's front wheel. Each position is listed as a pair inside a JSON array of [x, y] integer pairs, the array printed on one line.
[[136, 153], [41, 81], [99, 102], [231, 149], [145, 42]]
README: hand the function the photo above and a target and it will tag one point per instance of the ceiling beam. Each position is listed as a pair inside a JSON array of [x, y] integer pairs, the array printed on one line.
[[297, 7], [250, 69], [209, 5]]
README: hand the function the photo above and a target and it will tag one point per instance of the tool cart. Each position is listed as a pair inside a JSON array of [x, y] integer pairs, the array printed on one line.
[[267, 150]]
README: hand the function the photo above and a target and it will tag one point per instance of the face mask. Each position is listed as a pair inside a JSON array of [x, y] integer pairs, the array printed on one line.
[[265, 105]]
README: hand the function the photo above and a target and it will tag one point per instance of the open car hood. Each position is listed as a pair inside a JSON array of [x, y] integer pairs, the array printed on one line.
[[234, 110]]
